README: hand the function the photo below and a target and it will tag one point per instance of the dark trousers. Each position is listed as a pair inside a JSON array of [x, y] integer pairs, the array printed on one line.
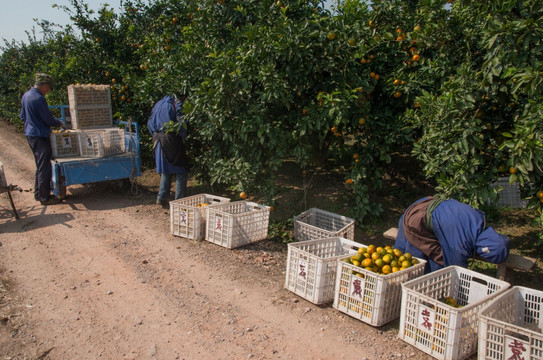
[[41, 147]]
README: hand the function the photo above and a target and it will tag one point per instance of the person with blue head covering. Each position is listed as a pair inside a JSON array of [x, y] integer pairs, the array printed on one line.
[[448, 232], [169, 146]]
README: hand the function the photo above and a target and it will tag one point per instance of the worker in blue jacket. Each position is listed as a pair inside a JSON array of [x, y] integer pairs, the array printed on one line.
[[448, 232], [169, 148], [38, 120]]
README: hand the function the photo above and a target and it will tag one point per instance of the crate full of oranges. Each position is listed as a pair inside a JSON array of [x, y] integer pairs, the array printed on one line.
[[368, 284]]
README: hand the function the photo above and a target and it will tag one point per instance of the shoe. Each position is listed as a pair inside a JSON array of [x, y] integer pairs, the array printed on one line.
[[164, 203], [51, 200]]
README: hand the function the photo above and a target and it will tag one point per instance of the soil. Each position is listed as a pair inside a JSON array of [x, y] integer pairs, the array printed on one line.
[[101, 276]]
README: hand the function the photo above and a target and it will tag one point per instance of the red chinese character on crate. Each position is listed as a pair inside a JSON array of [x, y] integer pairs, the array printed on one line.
[[426, 317], [302, 270], [67, 141], [183, 219], [219, 224], [357, 285], [517, 348]]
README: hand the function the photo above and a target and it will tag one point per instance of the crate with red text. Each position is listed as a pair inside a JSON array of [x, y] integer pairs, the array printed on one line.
[[188, 215], [439, 311], [369, 296], [237, 223], [511, 326], [312, 266]]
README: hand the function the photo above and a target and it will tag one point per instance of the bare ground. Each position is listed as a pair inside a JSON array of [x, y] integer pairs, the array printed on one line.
[[100, 276]]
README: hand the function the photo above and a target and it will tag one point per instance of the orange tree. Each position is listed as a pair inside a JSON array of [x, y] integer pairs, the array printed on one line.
[[274, 80], [484, 120]]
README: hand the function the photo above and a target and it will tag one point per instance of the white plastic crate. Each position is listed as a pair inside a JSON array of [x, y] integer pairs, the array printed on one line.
[[65, 144], [511, 326], [315, 224], [312, 266], [90, 106], [370, 297], [188, 215], [441, 330], [237, 223], [509, 194], [102, 142]]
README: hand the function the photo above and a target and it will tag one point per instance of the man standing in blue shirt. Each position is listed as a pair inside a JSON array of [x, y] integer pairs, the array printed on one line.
[[38, 120], [170, 155]]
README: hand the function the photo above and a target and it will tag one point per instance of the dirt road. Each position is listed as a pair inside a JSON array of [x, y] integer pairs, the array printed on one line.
[[100, 276]]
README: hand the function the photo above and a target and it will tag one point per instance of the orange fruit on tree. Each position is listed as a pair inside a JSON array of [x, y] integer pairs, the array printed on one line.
[[243, 195], [417, 28], [331, 35], [372, 74], [376, 77], [539, 194], [512, 170], [361, 121], [355, 156], [349, 181], [396, 82], [397, 94], [416, 57], [333, 129]]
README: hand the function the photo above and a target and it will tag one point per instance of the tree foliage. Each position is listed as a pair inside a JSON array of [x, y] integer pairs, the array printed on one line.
[[458, 82]]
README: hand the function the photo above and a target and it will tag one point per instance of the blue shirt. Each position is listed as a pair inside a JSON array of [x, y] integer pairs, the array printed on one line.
[[35, 114], [163, 112]]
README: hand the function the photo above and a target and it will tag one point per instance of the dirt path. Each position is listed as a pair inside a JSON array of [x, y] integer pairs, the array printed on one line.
[[100, 276]]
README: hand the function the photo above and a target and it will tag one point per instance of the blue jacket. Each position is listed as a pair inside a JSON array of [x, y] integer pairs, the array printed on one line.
[[462, 233], [163, 112], [35, 114]]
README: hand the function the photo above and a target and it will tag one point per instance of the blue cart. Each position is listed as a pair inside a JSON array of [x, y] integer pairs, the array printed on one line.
[[79, 170]]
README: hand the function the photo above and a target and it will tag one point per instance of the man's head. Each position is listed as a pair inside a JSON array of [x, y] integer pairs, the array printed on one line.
[[44, 83]]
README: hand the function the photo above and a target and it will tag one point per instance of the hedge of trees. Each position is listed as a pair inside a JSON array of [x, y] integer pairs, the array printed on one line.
[[456, 85]]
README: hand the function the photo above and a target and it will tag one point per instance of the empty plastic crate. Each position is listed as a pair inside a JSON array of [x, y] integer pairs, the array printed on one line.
[[315, 224], [237, 223]]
